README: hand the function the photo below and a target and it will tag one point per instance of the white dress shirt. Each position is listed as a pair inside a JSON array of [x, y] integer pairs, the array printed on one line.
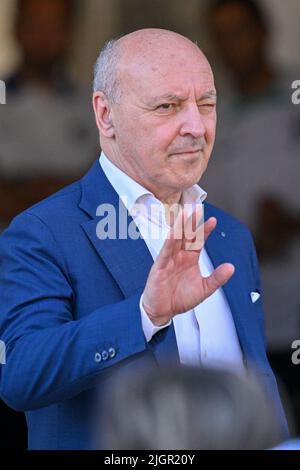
[[205, 335]]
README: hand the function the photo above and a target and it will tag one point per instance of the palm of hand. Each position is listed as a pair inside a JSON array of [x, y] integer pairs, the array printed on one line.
[[175, 283]]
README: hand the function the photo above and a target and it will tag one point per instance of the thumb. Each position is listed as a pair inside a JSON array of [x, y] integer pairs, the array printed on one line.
[[218, 278]]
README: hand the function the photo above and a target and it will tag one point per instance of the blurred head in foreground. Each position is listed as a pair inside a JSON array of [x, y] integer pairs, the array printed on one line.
[[189, 408]]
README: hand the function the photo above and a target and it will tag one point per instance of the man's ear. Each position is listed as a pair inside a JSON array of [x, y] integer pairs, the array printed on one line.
[[102, 109]]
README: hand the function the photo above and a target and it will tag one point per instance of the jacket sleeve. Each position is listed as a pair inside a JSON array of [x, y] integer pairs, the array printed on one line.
[[49, 356]]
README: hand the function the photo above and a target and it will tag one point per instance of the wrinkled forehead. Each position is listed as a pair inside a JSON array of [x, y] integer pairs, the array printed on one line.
[[164, 65]]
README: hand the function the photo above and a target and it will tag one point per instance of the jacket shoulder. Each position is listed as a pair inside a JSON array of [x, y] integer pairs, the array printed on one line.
[[57, 209], [66, 197]]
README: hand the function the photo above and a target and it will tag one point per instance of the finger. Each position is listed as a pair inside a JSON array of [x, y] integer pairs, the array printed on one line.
[[178, 230], [194, 230], [166, 252], [218, 278], [194, 222], [173, 241], [209, 226]]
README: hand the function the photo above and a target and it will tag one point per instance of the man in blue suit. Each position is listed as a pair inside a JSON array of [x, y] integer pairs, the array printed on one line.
[[81, 301]]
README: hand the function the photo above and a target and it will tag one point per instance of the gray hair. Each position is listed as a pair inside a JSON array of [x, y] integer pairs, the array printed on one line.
[[105, 71]]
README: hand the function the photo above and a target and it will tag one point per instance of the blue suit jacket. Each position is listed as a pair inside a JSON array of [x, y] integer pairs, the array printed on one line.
[[70, 314]]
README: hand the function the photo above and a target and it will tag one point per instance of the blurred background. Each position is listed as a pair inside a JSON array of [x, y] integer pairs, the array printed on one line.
[[48, 137]]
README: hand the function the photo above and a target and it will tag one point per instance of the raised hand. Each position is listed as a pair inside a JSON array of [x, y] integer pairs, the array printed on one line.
[[175, 283]]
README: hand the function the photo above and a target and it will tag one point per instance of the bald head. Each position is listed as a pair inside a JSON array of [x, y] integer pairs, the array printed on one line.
[[143, 48], [155, 41]]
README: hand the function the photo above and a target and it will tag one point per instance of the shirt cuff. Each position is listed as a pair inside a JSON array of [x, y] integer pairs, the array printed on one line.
[[148, 328]]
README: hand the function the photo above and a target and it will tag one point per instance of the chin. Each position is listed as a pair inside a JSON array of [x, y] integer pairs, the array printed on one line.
[[187, 181], [194, 175]]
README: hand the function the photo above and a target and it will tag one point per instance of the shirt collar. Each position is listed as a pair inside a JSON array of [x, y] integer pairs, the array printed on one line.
[[130, 191], [194, 194]]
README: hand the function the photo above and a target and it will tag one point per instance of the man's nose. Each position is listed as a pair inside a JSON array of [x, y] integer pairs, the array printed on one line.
[[192, 122]]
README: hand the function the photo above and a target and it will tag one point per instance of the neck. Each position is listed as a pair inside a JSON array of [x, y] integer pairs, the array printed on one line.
[[167, 197], [170, 200]]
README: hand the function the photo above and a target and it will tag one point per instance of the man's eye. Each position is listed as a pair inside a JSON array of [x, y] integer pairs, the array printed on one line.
[[165, 106], [207, 105]]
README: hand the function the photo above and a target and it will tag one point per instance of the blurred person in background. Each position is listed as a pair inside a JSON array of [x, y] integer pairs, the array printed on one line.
[[47, 131], [187, 408], [255, 168]]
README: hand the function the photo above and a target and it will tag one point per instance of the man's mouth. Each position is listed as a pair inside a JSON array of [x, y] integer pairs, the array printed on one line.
[[188, 152]]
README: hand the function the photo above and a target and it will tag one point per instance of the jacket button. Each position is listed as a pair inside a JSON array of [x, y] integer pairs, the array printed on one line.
[[98, 357], [112, 352], [105, 355]]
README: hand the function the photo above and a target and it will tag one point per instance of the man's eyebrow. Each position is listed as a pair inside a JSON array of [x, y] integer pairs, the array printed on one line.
[[167, 97], [173, 97], [209, 95]]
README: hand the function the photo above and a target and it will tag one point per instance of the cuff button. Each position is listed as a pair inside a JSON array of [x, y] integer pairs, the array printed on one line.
[[112, 352], [105, 355], [98, 357]]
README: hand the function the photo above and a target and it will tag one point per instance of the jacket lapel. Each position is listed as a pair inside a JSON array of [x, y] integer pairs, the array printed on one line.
[[221, 249], [128, 260]]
